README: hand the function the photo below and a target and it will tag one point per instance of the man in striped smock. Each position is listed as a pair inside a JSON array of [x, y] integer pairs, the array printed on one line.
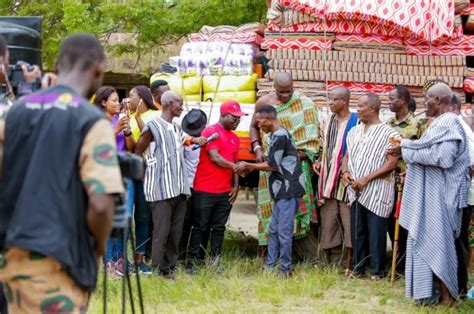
[[370, 172], [335, 213], [165, 183], [435, 190]]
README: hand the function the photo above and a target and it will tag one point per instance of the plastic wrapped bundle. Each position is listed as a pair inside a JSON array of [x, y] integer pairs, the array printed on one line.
[[215, 58], [189, 87]]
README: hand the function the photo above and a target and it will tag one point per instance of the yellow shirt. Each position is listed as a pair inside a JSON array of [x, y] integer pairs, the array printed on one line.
[[146, 117]]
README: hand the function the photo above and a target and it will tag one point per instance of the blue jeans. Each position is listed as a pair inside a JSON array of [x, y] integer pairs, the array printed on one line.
[[142, 217], [115, 246], [280, 240]]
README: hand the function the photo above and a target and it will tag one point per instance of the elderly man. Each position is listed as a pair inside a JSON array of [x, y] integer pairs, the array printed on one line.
[[165, 183], [298, 115], [370, 173], [435, 190], [335, 214]]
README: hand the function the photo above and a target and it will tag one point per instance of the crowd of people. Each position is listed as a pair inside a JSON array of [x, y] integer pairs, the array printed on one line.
[[60, 172]]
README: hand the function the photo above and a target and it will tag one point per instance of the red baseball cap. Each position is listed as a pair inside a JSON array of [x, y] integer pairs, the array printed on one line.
[[232, 107]]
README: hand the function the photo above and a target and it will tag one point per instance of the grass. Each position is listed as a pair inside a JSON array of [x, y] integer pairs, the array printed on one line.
[[238, 285]]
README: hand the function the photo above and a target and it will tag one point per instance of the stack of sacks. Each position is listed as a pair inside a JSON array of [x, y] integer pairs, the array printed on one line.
[[203, 88], [189, 87], [241, 88], [369, 45]]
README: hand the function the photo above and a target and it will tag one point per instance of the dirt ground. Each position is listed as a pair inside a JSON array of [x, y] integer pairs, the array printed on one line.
[[243, 217]]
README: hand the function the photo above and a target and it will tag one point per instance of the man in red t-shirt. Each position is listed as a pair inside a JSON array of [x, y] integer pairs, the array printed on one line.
[[215, 185]]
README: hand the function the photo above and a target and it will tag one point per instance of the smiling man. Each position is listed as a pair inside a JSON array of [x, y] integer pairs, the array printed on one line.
[[215, 185], [286, 187]]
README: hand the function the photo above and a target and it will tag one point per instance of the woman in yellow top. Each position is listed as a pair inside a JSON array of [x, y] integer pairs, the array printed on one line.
[[143, 110]]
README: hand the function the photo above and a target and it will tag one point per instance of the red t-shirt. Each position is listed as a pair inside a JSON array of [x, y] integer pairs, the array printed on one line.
[[211, 178]]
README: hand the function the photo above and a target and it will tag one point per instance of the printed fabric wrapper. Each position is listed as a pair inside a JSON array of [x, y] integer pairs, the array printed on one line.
[[369, 39], [469, 85], [428, 20], [362, 87], [288, 17], [244, 28], [468, 10], [463, 45], [336, 26], [296, 43], [238, 38]]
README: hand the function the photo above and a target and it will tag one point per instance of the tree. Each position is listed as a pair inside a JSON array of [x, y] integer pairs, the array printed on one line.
[[154, 24]]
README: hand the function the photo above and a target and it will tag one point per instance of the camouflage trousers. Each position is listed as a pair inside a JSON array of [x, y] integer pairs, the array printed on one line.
[[33, 283]]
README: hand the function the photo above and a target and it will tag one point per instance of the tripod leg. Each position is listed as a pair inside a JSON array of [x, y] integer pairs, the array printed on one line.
[[127, 273], [125, 268], [140, 295], [105, 287]]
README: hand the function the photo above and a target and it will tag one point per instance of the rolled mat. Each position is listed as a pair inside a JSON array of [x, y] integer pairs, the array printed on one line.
[[462, 45], [365, 67], [335, 26], [328, 36], [296, 43], [369, 47], [238, 38], [391, 79], [305, 54], [469, 85], [370, 39]]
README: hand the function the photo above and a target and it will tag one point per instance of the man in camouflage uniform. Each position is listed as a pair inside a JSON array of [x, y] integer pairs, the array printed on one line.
[[408, 126]]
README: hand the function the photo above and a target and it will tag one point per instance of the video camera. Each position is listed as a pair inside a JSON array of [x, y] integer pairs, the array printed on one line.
[[131, 167], [17, 80]]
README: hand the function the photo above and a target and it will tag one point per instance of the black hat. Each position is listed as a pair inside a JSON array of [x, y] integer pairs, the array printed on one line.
[[194, 122]]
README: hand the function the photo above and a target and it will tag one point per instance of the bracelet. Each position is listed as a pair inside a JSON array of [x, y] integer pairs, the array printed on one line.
[[256, 147]]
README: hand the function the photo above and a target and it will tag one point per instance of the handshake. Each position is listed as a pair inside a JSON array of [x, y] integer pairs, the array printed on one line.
[[244, 168]]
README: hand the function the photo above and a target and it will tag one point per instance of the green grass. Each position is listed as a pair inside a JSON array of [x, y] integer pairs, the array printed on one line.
[[239, 285]]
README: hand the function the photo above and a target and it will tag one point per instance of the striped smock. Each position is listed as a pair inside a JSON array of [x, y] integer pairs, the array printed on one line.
[[366, 149]]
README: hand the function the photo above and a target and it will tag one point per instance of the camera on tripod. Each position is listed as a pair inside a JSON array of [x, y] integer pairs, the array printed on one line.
[[17, 80], [131, 167]]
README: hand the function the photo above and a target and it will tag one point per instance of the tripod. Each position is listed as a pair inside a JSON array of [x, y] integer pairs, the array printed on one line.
[[126, 281]]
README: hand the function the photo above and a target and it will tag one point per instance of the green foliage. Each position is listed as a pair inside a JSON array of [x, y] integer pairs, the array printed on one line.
[[155, 23]]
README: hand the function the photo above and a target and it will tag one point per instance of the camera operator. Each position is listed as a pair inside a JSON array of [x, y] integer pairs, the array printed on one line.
[[56, 203], [19, 79]]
